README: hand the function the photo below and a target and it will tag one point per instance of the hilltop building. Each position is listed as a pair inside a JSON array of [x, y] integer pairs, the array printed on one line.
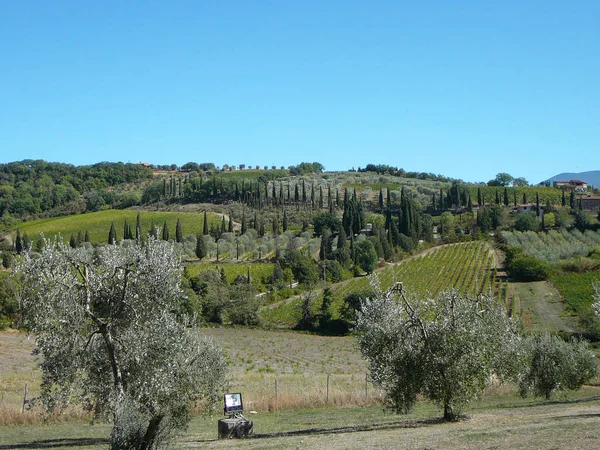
[[571, 185]]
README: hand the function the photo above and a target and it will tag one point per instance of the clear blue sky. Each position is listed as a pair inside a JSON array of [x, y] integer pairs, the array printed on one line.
[[466, 89]]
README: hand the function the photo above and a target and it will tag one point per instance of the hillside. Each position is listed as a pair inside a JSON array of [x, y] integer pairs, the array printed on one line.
[[591, 177]]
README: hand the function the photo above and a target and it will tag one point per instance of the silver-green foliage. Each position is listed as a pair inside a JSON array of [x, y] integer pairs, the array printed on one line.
[[445, 349], [554, 364], [111, 337]]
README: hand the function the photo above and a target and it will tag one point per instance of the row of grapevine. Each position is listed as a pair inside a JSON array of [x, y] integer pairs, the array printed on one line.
[[468, 267]]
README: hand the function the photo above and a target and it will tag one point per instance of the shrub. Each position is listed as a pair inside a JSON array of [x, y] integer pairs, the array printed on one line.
[[525, 268], [526, 222]]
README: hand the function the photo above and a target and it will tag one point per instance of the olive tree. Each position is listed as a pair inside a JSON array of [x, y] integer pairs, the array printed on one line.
[[554, 364], [445, 349], [111, 336]]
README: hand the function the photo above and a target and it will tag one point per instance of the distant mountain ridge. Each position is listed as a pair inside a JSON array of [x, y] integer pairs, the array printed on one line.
[[591, 177]]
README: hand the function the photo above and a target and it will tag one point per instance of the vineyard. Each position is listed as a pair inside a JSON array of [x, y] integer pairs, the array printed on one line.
[[554, 245], [468, 267]]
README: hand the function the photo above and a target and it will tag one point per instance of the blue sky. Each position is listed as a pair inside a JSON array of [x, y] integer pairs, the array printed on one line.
[[459, 88]]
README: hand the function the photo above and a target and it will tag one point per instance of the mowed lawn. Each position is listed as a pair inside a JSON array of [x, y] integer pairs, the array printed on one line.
[[299, 414]]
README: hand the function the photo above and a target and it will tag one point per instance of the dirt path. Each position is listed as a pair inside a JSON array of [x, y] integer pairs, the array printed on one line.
[[542, 308]]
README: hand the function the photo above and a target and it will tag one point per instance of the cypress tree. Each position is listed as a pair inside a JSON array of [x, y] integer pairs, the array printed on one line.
[[389, 199], [537, 204], [87, 236], [244, 225], [223, 226], [563, 200], [524, 198], [543, 222], [479, 199], [138, 227], [497, 197], [125, 231], [515, 198], [285, 221], [506, 202], [320, 197], [72, 242], [230, 225], [275, 225], [112, 234], [303, 192], [205, 225], [200, 246], [79, 238], [165, 232], [18, 242], [381, 200], [572, 199], [178, 232]]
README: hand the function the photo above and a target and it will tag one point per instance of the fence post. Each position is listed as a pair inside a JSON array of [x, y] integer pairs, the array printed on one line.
[[24, 398], [327, 388]]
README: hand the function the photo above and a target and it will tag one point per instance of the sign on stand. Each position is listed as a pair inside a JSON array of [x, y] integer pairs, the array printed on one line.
[[235, 425]]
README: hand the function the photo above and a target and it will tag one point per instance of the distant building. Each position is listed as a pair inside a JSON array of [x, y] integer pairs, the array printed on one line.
[[588, 202], [571, 185]]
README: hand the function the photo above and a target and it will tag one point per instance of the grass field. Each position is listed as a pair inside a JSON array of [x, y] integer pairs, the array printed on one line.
[[283, 378], [97, 224]]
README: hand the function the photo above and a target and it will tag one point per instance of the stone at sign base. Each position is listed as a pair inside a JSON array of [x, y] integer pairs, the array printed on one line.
[[235, 428]]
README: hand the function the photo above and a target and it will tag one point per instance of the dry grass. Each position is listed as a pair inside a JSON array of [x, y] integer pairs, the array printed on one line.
[[280, 370], [274, 370]]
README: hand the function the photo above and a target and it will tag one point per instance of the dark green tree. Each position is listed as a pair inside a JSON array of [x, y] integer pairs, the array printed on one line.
[[178, 232], [165, 232], [200, 246], [72, 242], [138, 228], [244, 227], [205, 225], [366, 256], [18, 242], [112, 234]]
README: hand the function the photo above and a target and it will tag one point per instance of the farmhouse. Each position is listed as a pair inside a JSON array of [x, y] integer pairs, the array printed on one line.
[[571, 185]]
